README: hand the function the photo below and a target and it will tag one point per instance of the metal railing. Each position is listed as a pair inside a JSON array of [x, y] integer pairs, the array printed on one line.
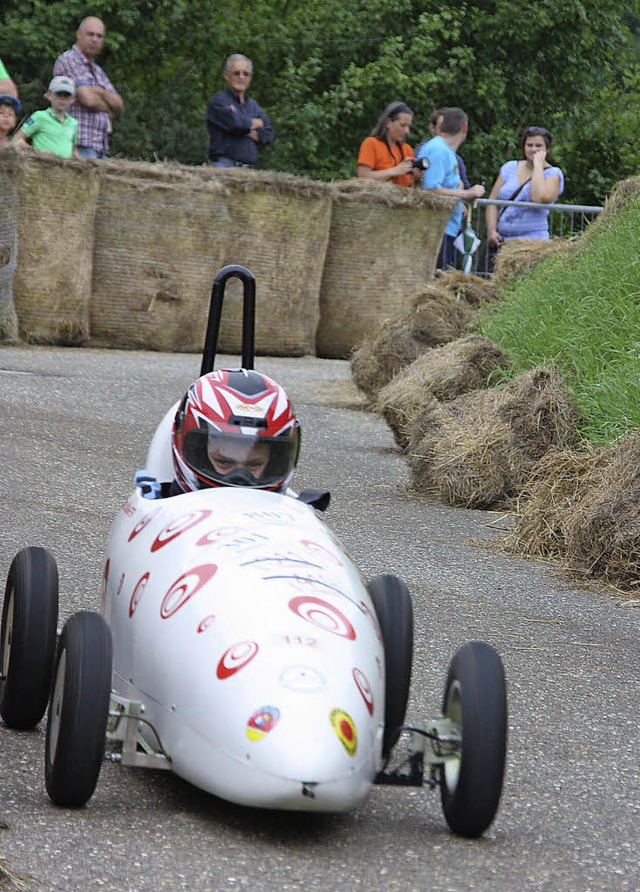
[[564, 220]]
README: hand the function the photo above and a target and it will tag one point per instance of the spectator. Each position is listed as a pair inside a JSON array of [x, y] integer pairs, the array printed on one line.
[[385, 154], [7, 86], [96, 100], [532, 178], [434, 128], [238, 127], [53, 129], [9, 111], [443, 176]]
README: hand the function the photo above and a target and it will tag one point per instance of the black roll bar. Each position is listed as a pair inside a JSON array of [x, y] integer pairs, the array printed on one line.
[[215, 313]]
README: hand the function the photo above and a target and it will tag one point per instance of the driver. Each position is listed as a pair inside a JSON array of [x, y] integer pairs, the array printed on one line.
[[234, 428]]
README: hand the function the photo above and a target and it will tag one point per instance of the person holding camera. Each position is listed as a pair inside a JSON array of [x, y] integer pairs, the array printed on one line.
[[443, 176], [385, 155]]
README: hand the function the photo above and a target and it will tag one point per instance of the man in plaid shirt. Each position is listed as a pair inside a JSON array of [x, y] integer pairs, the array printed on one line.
[[96, 101]]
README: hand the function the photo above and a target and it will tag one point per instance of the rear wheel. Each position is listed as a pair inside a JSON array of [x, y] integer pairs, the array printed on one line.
[[28, 637], [78, 710], [475, 700], [392, 603]]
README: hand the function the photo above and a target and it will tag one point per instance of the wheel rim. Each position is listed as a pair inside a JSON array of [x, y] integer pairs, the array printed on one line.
[[56, 705], [6, 640], [453, 712]]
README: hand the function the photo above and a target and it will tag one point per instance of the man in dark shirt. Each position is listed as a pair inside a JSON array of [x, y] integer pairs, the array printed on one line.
[[237, 126]]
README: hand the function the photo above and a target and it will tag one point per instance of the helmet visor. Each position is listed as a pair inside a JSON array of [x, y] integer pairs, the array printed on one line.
[[238, 459]]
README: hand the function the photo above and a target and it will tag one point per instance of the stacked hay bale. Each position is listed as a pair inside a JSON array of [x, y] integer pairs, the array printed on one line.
[[443, 374], [8, 242], [383, 246], [583, 509], [479, 449], [434, 316], [519, 255], [55, 223]]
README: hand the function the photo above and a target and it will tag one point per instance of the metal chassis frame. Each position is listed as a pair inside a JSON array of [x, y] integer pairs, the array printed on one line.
[[124, 725]]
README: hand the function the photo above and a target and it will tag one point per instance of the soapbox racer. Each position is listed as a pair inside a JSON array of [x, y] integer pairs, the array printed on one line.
[[238, 646]]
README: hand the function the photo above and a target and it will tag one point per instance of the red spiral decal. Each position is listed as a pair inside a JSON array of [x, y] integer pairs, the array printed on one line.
[[323, 615], [178, 527], [204, 624], [374, 621], [316, 548], [139, 527], [138, 592], [235, 658], [185, 587], [212, 536], [364, 687]]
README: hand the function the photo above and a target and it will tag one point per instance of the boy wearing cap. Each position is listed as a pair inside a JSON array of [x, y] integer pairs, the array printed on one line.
[[53, 129], [9, 111]]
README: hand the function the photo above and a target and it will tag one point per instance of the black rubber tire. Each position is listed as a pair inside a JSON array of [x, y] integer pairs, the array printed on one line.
[[28, 637], [475, 698], [392, 603], [78, 710]]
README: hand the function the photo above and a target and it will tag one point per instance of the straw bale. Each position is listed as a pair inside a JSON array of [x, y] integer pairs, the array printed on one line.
[[603, 529], [554, 489], [8, 242], [433, 317], [158, 244], [383, 245], [624, 193], [479, 449], [52, 283], [281, 234], [474, 290], [519, 255], [443, 373]]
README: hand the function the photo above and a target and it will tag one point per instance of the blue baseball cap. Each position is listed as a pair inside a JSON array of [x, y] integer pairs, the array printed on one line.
[[12, 101]]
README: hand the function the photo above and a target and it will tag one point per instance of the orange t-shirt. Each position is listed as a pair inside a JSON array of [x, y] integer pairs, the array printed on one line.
[[379, 155]]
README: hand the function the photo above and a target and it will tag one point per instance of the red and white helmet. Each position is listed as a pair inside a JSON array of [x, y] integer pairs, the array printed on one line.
[[235, 427]]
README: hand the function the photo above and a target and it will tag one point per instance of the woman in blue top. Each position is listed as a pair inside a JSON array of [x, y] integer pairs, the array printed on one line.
[[531, 179]]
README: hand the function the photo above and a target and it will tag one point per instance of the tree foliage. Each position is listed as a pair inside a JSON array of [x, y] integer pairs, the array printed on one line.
[[324, 71]]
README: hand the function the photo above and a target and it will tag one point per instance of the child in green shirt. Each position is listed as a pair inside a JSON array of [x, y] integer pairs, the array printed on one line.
[[9, 111], [52, 129]]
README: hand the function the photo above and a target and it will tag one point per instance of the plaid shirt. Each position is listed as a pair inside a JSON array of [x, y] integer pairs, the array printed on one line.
[[93, 127]]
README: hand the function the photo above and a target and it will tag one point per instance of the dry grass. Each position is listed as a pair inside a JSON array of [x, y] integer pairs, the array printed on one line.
[[517, 256]]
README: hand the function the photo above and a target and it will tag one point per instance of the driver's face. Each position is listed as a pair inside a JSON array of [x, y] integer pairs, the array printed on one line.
[[237, 456]]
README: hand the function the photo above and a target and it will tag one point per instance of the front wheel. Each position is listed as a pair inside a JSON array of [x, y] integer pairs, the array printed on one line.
[[28, 637], [475, 701], [78, 711]]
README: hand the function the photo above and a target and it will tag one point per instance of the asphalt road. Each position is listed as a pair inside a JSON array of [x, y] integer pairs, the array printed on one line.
[[75, 425]]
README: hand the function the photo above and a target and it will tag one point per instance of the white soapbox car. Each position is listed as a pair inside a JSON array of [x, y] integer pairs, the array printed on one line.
[[238, 646]]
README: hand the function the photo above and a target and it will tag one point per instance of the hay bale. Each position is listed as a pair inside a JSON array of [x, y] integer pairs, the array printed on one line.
[[433, 317], [554, 489], [383, 245], [159, 236], [519, 255], [443, 373], [52, 283], [474, 290], [278, 226], [479, 449], [603, 528], [8, 242], [624, 193]]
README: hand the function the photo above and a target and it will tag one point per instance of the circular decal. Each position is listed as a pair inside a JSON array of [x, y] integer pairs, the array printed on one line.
[[235, 658], [138, 591], [178, 527], [364, 687], [139, 527], [374, 620], [185, 587], [320, 613], [205, 623], [316, 548], [345, 730], [303, 679], [213, 536], [262, 721]]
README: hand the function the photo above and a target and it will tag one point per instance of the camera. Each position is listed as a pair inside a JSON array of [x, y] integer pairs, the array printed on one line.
[[420, 163]]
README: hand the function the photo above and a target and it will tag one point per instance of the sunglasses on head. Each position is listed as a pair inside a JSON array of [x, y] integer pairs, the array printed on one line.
[[537, 131]]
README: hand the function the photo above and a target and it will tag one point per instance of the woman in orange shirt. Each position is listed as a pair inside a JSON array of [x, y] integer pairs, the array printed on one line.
[[385, 154]]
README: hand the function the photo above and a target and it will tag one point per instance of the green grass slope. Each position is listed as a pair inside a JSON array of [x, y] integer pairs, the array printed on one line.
[[580, 315]]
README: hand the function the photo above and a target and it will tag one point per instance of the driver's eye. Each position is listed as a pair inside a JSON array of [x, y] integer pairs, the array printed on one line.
[[225, 462], [254, 465]]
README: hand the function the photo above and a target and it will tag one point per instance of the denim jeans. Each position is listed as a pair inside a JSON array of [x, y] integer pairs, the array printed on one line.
[[88, 152]]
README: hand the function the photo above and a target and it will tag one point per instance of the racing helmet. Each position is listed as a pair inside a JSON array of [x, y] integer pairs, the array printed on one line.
[[235, 427]]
